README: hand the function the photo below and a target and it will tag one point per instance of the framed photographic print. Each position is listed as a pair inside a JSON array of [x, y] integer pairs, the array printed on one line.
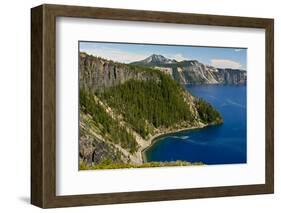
[[136, 106]]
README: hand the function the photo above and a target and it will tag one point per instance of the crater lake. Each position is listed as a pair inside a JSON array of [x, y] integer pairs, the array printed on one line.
[[220, 144]]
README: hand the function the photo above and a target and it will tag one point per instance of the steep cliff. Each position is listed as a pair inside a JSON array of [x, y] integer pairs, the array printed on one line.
[[194, 72], [98, 74]]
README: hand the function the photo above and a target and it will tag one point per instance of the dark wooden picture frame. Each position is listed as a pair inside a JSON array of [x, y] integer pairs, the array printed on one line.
[[43, 105]]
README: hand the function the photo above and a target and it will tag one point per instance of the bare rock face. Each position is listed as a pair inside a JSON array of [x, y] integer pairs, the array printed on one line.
[[93, 151], [86, 150], [194, 72], [98, 74], [232, 76]]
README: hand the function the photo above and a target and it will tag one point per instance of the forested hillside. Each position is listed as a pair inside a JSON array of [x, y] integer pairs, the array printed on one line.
[[136, 104]]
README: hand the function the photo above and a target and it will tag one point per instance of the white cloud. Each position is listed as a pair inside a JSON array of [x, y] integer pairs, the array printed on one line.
[[115, 54], [178, 57], [225, 63]]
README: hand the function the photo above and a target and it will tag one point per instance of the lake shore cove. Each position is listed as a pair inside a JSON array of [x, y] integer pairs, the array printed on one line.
[[122, 114]]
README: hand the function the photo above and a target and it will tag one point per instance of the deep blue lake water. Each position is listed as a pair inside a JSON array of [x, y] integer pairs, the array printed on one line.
[[222, 144]]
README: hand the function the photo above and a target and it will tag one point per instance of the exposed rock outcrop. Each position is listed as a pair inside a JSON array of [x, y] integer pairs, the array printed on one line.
[[98, 74], [194, 72]]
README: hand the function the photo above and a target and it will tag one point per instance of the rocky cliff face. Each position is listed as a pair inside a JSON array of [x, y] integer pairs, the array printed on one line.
[[194, 72], [98, 74], [232, 76]]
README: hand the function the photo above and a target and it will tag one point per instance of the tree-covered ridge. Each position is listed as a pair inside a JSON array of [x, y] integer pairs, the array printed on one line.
[[122, 106], [109, 128], [147, 105]]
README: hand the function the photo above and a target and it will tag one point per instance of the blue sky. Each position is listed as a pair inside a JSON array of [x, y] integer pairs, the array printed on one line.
[[123, 52]]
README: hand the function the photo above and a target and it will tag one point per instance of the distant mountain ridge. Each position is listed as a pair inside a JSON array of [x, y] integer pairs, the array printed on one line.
[[193, 71], [155, 60]]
